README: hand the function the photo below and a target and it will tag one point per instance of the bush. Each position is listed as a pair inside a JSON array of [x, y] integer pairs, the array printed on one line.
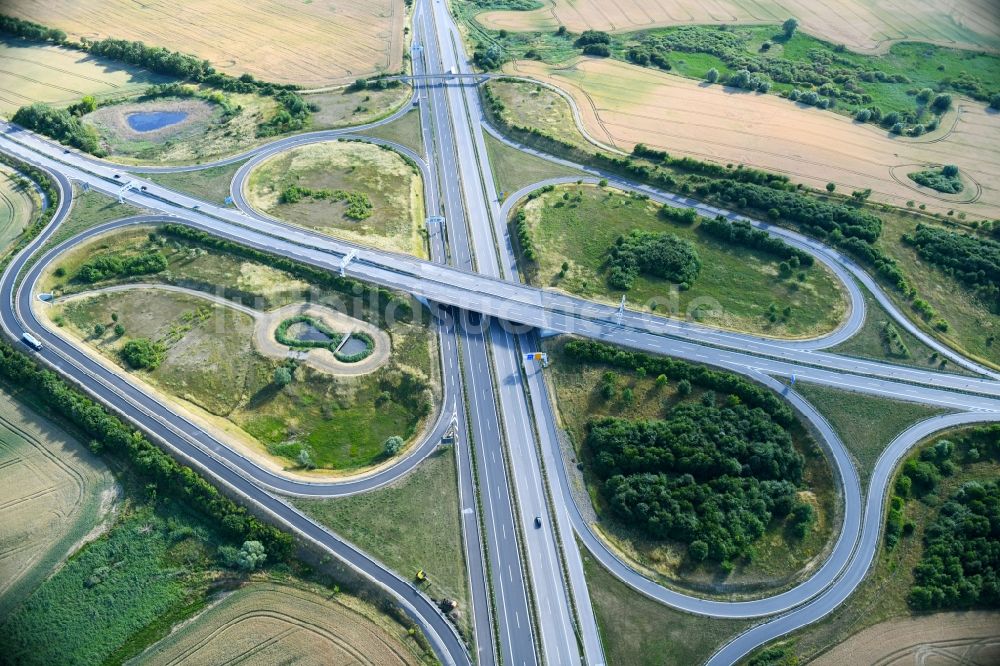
[[593, 37], [282, 376], [712, 75], [941, 103], [393, 445], [600, 50], [143, 354]]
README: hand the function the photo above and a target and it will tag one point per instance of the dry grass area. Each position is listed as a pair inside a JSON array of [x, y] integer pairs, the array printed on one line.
[[868, 26], [393, 186], [18, 205], [268, 623], [52, 493], [623, 104], [308, 43], [343, 107], [32, 73], [942, 638]]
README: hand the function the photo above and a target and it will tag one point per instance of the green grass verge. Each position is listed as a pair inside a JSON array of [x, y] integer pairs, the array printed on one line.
[[638, 631], [866, 424], [513, 169], [404, 131], [736, 288], [410, 525], [867, 342], [90, 208], [211, 184]]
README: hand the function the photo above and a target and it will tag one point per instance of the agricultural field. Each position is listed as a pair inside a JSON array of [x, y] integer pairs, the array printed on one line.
[[32, 72], [309, 44], [736, 287], [348, 189], [18, 206], [211, 360], [861, 25], [622, 104], [884, 594], [410, 525], [963, 637], [55, 493], [779, 558], [267, 622]]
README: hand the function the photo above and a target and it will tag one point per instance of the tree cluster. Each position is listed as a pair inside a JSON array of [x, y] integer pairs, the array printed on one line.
[[119, 266], [750, 394], [960, 565], [970, 259], [661, 255], [742, 233], [61, 125], [11, 25], [691, 165], [148, 461], [944, 180], [705, 474], [523, 230]]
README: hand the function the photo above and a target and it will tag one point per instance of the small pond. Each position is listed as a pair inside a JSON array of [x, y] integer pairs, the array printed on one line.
[[353, 346], [148, 121], [306, 332]]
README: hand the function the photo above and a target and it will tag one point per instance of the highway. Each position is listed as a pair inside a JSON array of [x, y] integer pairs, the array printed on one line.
[[525, 582]]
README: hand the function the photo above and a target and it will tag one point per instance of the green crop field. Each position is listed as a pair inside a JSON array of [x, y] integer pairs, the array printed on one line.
[[18, 207], [735, 288]]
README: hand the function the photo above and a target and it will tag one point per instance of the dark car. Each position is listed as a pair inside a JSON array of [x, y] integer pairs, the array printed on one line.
[[538, 522]]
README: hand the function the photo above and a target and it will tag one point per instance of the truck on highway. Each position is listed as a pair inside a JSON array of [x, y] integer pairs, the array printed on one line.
[[31, 341]]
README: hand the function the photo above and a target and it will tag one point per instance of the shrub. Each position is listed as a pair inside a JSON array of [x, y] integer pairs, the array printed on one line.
[[393, 445], [143, 354], [712, 75]]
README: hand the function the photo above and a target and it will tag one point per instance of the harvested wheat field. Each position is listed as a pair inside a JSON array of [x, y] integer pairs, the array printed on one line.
[[286, 41], [51, 495], [971, 638], [17, 207], [869, 26], [32, 73], [623, 104], [267, 623]]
